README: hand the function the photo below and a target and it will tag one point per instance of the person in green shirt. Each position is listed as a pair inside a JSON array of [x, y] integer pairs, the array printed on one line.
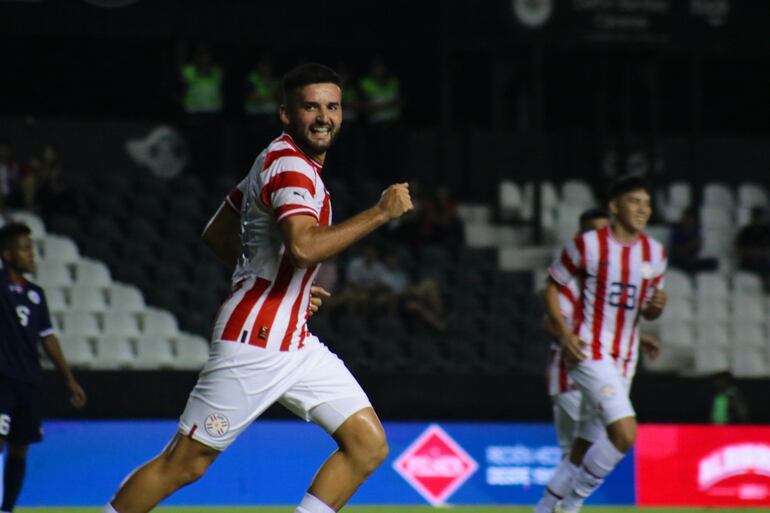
[[728, 405]]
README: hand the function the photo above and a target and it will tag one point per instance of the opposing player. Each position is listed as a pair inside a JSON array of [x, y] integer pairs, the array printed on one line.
[[24, 322], [621, 269], [262, 352]]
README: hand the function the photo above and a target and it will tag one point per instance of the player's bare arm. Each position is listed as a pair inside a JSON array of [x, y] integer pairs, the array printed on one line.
[[655, 307], [309, 244], [570, 342], [222, 235], [54, 352]]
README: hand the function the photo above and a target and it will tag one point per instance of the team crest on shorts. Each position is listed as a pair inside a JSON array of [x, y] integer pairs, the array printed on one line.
[[34, 297], [607, 391], [217, 425]]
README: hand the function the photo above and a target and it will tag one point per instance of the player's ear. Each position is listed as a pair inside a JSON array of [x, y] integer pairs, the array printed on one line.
[[283, 113], [613, 206]]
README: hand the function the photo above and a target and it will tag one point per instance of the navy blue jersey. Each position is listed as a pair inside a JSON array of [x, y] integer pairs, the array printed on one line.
[[24, 319]]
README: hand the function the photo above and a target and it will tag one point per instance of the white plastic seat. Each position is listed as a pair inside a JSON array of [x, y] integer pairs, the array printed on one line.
[[154, 352], [748, 308], [710, 359], [120, 323], [53, 273], [747, 283], [676, 332], [717, 242], [114, 352], [510, 199], [126, 298], [751, 194], [712, 309], [192, 351], [33, 221], [81, 323], [659, 232], [678, 284], [92, 273], [748, 334], [678, 196], [712, 333], [549, 198], [480, 235], [748, 362], [85, 298], [717, 218], [678, 351], [56, 299], [568, 220], [577, 193], [77, 350], [717, 194], [711, 285], [64, 249], [679, 309], [159, 323]]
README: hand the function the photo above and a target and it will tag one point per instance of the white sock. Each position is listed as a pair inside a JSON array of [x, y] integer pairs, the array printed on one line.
[[109, 509], [599, 461], [311, 504], [557, 487]]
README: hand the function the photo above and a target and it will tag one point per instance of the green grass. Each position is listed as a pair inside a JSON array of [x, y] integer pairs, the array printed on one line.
[[404, 509]]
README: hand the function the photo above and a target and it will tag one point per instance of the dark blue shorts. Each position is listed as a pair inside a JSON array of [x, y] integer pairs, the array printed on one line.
[[21, 412]]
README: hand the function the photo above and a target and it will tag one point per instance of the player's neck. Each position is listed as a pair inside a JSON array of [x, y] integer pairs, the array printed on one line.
[[623, 233], [15, 277]]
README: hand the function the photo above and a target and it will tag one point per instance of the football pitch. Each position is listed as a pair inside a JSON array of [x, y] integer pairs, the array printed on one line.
[[406, 509]]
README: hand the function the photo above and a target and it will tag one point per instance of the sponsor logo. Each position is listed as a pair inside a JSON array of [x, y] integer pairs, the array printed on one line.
[[34, 297], [217, 425], [734, 460], [435, 465]]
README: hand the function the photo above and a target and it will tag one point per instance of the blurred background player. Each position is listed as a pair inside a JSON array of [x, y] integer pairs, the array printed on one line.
[[621, 269], [277, 225], [25, 323]]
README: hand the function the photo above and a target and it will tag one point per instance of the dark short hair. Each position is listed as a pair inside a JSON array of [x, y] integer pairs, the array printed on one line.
[[626, 184], [592, 214], [10, 232], [309, 73]]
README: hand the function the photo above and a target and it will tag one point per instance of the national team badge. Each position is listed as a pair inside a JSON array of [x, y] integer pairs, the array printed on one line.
[[217, 425], [34, 297], [646, 270], [435, 465]]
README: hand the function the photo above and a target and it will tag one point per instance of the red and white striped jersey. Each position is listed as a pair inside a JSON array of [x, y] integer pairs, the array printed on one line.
[[269, 303], [556, 374], [618, 281]]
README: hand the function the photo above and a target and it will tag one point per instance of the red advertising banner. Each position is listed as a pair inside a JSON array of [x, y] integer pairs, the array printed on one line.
[[678, 465]]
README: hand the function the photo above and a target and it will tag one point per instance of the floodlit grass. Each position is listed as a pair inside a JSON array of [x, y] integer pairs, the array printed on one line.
[[404, 509]]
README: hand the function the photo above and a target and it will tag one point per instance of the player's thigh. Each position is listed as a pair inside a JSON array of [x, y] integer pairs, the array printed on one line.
[[238, 383], [604, 390], [21, 412], [327, 393]]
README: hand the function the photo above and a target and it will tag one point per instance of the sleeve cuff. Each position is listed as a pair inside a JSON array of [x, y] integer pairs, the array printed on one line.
[[299, 212], [555, 276]]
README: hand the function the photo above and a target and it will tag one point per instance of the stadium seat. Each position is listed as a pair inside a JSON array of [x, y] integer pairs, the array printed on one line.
[[549, 198], [661, 233], [716, 218], [748, 362], [525, 258], [711, 285], [77, 350], [710, 359], [677, 333], [511, 200], [63, 249], [711, 308], [718, 243], [719, 195], [474, 213], [678, 309], [159, 323], [126, 298], [56, 299], [191, 351], [120, 323], [749, 334], [53, 273], [748, 308], [154, 353], [480, 235], [87, 298], [678, 196], [114, 352], [747, 283], [92, 273], [678, 352], [751, 195], [33, 221], [577, 193], [712, 333], [81, 323], [678, 284]]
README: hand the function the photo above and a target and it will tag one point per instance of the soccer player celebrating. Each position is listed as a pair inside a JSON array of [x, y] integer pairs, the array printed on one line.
[[621, 270], [277, 226], [24, 321]]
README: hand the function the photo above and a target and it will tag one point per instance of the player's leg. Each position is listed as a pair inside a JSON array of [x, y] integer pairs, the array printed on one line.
[[182, 462], [330, 396], [13, 474]]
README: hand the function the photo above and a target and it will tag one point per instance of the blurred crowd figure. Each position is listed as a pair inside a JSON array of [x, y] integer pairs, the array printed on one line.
[[686, 242], [728, 405], [752, 245]]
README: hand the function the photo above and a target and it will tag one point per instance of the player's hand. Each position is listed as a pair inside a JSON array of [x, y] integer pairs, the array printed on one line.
[[77, 394], [658, 300], [395, 201], [572, 348], [650, 346], [316, 299]]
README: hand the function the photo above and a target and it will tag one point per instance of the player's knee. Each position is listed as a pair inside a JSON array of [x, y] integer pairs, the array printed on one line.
[[624, 436], [185, 471], [371, 452]]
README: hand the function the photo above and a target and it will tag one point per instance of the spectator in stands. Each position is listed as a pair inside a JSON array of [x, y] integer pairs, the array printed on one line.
[[421, 301], [728, 405], [381, 95], [753, 245], [45, 187], [263, 96], [441, 223], [686, 242], [363, 282], [202, 106], [11, 175]]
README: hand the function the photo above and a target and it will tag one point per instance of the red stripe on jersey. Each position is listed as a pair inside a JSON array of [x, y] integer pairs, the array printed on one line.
[[567, 263], [292, 206], [277, 154], [563, 386], [286, 179], [601, 291], [238, 317], [581, 246], [260, 331], [286, 342], [192, 431], [646, 257], [620, 316], [288, 140], [326, 211]]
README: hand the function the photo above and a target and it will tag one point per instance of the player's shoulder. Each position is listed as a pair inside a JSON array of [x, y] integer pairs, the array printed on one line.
[[655, 245], [283, 152], [34, 292]]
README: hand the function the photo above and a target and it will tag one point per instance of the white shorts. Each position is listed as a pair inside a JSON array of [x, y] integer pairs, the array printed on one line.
[[240, 381], [566, 417], [605, 395]]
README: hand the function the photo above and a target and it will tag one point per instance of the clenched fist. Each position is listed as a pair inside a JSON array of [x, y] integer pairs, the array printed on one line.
[[395, 200]]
